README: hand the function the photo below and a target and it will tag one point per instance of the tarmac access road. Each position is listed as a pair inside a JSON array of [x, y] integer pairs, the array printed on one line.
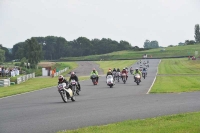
[[44, 111]]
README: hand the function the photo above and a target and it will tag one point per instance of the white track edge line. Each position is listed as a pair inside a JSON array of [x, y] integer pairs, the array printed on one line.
[[154, 79]]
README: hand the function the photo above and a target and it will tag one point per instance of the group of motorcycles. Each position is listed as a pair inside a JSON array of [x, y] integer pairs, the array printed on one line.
[[70, 91]]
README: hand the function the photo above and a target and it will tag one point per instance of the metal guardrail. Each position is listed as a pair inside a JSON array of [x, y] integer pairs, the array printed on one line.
[[4, 82], [61, 71], [25, 78]]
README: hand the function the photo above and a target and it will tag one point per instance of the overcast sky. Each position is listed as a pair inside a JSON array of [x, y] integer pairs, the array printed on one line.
[[167, 21]]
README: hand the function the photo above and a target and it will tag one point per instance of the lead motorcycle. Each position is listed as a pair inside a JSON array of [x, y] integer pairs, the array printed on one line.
[[94, 79], [74, 86], [65, 93], [137, 79], [110, 81]]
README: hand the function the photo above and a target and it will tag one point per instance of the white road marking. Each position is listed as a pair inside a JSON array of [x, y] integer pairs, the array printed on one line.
[[154, 79]]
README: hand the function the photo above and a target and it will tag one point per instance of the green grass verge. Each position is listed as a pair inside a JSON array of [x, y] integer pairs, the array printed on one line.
[[105, 65], [37, 83], [179, 66], [181, 123], [131, 54], [174, 84], [31, 85], [177, 75]]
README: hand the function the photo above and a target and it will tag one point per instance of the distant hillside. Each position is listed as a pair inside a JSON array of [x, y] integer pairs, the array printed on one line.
[[176, 51]]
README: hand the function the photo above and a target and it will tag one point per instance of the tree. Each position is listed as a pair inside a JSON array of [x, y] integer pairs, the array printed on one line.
[[147, 44], [2, 55], [197, 33], [8, 55], [189, 42], [152, 44], [33, 51]]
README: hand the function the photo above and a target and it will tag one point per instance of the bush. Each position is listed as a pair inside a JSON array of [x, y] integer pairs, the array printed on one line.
[[17, 64], [13, 79], [38, 72]]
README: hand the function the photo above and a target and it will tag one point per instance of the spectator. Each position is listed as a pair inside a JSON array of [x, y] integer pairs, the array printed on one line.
[[3, 71], [0, 71]]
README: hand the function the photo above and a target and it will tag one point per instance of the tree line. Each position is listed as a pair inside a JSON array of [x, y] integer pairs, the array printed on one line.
[[53, 48], [196, 37]]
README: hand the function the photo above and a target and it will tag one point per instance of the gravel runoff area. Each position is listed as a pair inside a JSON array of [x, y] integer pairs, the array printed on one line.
[[85, 67]]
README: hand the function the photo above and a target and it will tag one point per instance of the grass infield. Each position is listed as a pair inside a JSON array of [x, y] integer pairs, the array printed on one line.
[[177, 75], [180, 123]]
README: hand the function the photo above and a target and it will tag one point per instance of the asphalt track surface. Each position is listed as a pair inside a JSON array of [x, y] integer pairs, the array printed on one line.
[[44, 112]]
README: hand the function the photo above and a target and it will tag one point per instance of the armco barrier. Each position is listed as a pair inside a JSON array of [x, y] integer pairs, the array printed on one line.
[[61, 71], [25, 78], [4, 82]]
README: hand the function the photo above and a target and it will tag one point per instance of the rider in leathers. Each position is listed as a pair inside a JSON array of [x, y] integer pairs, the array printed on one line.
[[124, 71], [109, 73], [73, 76], [137, 71], [96, 73]]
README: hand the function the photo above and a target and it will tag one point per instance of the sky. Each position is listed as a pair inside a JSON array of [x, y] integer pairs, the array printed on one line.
[[167, 21]]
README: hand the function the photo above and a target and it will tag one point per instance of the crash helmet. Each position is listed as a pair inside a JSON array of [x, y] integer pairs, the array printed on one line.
[[136, 69], [109, 70], [72, 74], [93, 69], [60, 78]]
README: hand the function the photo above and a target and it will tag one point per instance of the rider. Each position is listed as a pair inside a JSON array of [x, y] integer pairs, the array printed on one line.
[[61, 79], [109, 73], [94, 71], [131, 70], [144, 70], [124, 71], [137, 71], [73, 76]]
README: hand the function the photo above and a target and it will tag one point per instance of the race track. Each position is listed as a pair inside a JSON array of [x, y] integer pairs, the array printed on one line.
[[44, 111]]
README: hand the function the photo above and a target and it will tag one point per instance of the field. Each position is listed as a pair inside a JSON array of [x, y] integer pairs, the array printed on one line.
[[181, 123], [176, 51], [177, 75]]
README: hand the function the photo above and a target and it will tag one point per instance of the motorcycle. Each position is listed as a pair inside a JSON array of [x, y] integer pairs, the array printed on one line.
[[65, 93], [110, 81], [131, 71], [74, 87], [94, 79], [124, 78], [118, 74], [137, 78], [144, 74], [114, 74]]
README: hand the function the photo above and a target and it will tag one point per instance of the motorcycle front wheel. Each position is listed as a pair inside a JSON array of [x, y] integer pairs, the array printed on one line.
[[63, 96]]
